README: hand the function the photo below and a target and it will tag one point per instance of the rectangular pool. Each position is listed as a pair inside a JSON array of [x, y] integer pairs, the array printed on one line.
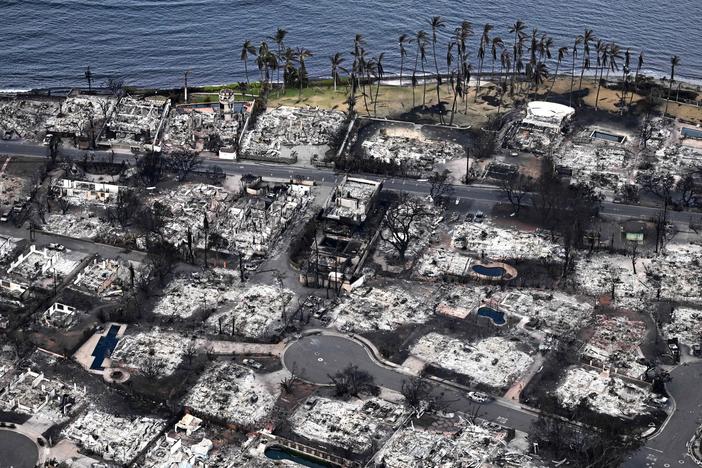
[[690, 132], [608, 136]]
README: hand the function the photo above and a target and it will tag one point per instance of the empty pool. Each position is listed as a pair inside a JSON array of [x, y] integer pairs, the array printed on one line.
[[497, 317], [494, 272], [608, 136], [689, 132]]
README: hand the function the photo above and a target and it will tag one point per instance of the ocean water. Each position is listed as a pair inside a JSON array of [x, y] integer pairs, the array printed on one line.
[[152, 42]]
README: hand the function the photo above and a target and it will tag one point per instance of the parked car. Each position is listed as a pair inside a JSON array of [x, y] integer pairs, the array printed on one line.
[[470, 217], [57, 247], [253, 364], [479, 397], [479, 217]]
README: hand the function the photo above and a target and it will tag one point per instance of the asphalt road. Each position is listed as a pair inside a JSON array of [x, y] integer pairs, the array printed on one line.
[[314, 358], [669, 447], [464, 195], [17, 450]]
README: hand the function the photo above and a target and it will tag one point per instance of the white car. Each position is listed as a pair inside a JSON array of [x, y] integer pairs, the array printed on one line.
[[57, 247], [479, 397], [251, 363]]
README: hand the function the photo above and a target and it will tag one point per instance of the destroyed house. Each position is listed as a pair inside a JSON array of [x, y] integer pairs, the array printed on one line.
[[352, 200], [88, 191]]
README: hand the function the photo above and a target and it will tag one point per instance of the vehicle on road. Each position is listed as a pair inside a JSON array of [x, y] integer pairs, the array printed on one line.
[[57, 247], [252, 364], [479, 397], [479, 217]]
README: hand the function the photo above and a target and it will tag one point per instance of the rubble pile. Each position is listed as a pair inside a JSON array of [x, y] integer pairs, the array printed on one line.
[[459, 301], [113, 437], [196, 130], [602, 393], [680, 270], [595, 275], [78, 115], [37, 264], [186, 207], [108, 277], [154, 352], [183, 297], [252, 224], [135, 120], [291, 126], [32, 393], [471, 446], [686, 325], [258, 312], [600, 164], [677, 159], [493, 361], [25, 118], [416, 153], [7, 246], [231, 393], [354, 425], [437, 262], [498, 243], [14, 190], [83, 225], [615, 343], [369, 309], [558, 312]]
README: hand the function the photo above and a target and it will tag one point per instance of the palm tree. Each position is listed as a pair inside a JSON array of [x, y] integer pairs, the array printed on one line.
[[421, 40], [497, 42], [380, 73], [625, 78], [506, 63], [89, 77], [674, 62], [574, 57], [402, 41], [518, 30], [484, 42], [436, 23], [357, 68], [302, 54], [279, 39], [336, 60], [246, 49], [587, 37], [561, 55], [288, 65], [636, 76], [463, 33], [266, 61], [538, 75], [602, 51]]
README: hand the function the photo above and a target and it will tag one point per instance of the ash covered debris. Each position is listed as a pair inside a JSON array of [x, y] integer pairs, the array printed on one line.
[[232, 394], [602, 393], [494, 361], [153, 353], [686, 325], [356, 425], [115, 438], [499, 243], [615, 343]]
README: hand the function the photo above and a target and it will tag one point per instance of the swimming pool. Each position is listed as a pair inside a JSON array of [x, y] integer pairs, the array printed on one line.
[[608, 136], [280, 453], [690, 132], [494, 272], [497, 317]]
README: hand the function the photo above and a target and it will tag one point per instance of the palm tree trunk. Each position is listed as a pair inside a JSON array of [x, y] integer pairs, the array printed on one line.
[[599, 85], [438, 78], [424, 81], [670, 88], [402, 64], [246, 69], [636, 86], [572, 79], [553, 83]]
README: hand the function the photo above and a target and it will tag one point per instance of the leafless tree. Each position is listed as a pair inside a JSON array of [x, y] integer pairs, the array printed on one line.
[[515, 190], [190, 352], [288, 384], [634, 249], [686, 187], [116, 86], [351, 381], [399, 224], [415, 391], [183, 162], [127, 206], [64, 204], [441, 187]]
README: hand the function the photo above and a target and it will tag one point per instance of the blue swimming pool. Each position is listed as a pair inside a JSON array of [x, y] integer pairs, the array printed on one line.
[[497, 317], [104, 347], [279, 453], [495, 272], [692, 133], [608, 136]]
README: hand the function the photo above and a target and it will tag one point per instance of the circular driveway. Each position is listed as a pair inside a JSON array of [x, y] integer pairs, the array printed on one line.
[[17, 450], [315, 358]]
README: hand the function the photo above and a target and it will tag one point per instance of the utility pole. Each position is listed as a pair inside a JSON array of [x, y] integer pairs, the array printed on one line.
[[185, 83], [89, 77]]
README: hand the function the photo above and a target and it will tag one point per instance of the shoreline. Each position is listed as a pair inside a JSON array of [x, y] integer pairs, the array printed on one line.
[[694, 84]]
